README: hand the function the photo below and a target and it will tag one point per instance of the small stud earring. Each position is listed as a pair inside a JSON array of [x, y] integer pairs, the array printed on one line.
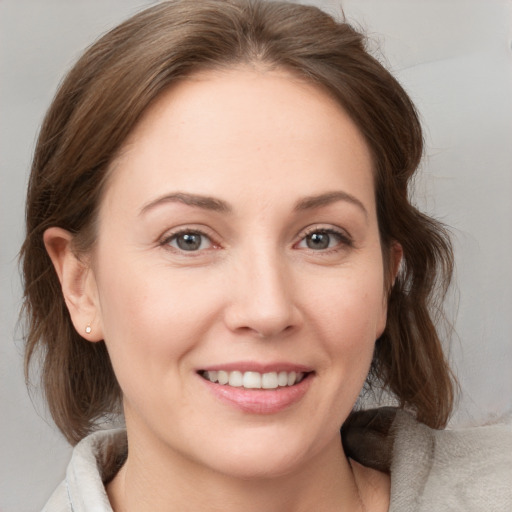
[[88, 330]]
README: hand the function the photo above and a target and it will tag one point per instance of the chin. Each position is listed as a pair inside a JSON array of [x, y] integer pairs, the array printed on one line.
[[263, 455], [258, 467]]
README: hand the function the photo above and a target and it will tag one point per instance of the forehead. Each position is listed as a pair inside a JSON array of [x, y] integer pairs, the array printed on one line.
[[246, 126]]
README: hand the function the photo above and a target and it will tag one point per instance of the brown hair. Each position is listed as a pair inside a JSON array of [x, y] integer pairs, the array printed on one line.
[[104, 96]]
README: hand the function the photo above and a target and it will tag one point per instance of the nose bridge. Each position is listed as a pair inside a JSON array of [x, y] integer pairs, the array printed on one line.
[[263, 299]]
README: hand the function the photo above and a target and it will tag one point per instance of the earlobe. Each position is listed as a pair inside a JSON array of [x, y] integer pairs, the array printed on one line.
[[77, 282]]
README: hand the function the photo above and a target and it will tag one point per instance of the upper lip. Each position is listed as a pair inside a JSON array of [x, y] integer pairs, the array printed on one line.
[[253, 366]]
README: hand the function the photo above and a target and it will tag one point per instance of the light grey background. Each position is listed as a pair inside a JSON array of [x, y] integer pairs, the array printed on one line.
[[455, 59]]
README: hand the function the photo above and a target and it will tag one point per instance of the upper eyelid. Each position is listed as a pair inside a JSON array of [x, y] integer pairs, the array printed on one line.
[[325, 229], [214, 238], [345, 240], [173, 233]]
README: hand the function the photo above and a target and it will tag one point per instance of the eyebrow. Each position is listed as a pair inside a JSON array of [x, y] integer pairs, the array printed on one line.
[[217, 205], [312, 202], [199, 201]]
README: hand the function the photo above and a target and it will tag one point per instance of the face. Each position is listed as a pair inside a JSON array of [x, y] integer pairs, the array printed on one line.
[[238, 242]]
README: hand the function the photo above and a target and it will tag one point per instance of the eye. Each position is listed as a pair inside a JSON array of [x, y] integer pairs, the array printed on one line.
[[322, 239], [189, 241]]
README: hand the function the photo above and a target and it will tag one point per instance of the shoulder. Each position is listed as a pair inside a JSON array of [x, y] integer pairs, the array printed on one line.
[[444, 470], [464, 469], [59, 501], [94, 461]]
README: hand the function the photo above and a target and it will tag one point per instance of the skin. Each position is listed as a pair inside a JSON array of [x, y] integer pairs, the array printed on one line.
[[254, 290]]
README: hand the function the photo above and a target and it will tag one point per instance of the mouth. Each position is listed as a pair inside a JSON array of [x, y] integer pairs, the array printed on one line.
[[254, 380], [268, 391]]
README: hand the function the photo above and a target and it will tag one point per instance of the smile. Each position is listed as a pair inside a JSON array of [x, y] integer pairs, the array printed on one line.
[[254, 380]]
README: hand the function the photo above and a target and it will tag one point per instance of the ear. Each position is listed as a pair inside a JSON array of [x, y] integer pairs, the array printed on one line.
[[396, 253], [77, 281], [396, 257]]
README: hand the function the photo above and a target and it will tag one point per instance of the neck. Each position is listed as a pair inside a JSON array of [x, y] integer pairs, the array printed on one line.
[[159, 481]]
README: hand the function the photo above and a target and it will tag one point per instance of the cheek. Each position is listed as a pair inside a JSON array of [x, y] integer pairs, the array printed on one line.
[[151, 315], [350, 314], [351, 306]]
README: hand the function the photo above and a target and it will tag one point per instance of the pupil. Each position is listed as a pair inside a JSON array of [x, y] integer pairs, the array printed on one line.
[[189, 242], [318, 241]]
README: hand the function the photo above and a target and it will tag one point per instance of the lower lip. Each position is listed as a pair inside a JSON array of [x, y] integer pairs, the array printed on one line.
[[260, 401]]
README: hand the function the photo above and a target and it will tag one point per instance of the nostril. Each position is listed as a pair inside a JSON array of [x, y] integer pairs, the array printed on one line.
[[262, 315]]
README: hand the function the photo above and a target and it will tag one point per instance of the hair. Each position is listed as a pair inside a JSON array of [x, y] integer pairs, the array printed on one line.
[[98, 105]]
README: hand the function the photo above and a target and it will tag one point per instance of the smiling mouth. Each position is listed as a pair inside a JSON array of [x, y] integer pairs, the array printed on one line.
[[254, 380]]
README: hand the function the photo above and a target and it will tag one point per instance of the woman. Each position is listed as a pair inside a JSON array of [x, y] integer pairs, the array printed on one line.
[[220, 243]]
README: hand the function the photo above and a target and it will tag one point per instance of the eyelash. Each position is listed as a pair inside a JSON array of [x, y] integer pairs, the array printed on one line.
[[344, 240], [167, 239]]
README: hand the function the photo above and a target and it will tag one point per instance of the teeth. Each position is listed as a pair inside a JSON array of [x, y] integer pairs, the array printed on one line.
[[269, 380], [235, 379], [222, 377], [282, 379], [254, 380]]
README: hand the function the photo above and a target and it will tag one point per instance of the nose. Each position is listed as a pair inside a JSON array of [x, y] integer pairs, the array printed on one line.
[[262, 300]]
